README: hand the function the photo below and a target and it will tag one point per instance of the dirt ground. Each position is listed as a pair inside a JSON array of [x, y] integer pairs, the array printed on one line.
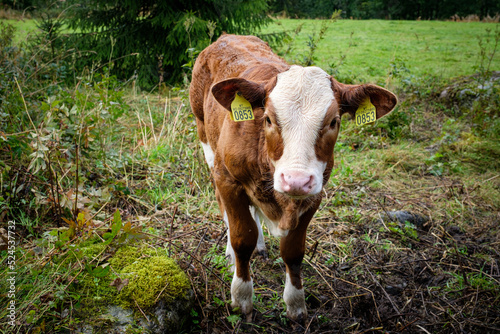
[[362, 274]]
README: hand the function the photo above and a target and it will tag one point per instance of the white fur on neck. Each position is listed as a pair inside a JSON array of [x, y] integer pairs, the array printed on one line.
[[209, 154], [261, 244], [229, 248]]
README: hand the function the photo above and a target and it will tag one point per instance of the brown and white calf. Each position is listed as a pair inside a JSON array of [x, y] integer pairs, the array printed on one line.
[[272, 168]]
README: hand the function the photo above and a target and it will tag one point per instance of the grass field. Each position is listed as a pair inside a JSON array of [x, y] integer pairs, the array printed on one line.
[[24, 28], [104, 146], [370, 49]]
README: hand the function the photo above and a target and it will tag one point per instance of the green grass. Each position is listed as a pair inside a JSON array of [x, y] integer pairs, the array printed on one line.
[[373, 47], [23, 28], [139, 154]]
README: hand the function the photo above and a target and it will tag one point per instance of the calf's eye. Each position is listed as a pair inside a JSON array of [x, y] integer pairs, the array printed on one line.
[[268, 121], [333, 123]]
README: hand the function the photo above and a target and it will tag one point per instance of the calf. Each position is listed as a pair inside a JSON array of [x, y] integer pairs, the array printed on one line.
[[274, 166]]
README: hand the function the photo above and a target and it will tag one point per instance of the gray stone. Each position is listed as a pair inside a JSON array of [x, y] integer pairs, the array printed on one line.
[[405, 216], [123, 317], [170, 317], [466, 92], [164, 317]]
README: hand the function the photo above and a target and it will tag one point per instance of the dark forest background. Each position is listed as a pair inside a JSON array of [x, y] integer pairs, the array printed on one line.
[[386, 9], [356, 9]]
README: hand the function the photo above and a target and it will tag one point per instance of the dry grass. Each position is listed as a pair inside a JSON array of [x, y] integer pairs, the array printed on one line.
[[361, 272], [476, 18], [9, 14]]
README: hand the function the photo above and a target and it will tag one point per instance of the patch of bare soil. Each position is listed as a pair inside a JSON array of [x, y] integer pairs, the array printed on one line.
[[362, 273]]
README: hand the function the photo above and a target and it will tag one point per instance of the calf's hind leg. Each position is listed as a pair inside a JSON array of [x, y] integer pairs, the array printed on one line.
[[243, 234], [261, 244]]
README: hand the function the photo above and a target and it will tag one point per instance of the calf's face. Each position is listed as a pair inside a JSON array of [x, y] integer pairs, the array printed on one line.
[[301, 120], [301, 115]]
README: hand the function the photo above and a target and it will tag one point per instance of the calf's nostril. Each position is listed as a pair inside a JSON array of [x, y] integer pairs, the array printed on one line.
[[309, 184]]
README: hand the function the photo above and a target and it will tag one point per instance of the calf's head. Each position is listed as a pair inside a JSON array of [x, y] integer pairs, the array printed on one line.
[[301, 112]]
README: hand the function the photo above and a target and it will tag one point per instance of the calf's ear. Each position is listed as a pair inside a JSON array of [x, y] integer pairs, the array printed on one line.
[[224, 92], [351, 96]]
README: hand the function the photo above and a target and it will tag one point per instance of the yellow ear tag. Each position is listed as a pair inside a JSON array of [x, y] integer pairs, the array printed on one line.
[[241, 109], [366, 113]]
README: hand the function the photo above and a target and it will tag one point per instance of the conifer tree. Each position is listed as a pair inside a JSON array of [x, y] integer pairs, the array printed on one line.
[[151, 38]]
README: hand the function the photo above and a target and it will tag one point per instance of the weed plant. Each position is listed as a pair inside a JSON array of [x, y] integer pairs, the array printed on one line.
[[71, 156]]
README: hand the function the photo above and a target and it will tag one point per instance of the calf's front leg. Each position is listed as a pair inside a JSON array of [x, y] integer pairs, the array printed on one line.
[[292, 248]]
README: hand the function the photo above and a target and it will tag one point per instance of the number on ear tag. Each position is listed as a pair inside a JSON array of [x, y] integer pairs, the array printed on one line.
[[241, 109], [366, 113]]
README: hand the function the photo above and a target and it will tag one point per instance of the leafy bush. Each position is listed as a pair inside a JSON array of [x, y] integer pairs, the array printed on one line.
[[50, 132]]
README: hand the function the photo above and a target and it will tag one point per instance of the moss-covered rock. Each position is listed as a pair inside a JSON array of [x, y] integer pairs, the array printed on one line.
[[150, 279], [140, 277]]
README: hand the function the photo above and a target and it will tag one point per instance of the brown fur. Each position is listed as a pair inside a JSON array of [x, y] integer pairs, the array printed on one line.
[[245, 151]]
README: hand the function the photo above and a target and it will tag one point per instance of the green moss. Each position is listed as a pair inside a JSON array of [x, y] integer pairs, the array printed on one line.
[[86, 251], [92, 250], [150, 273], [127, 255], [99, 289], [150, 277]]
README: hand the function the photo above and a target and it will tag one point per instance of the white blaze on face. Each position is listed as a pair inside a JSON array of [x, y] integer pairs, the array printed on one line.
[[301, 98]]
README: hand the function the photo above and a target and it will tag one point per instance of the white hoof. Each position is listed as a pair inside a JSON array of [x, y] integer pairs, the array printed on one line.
[[242, 295], [295, 302]]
